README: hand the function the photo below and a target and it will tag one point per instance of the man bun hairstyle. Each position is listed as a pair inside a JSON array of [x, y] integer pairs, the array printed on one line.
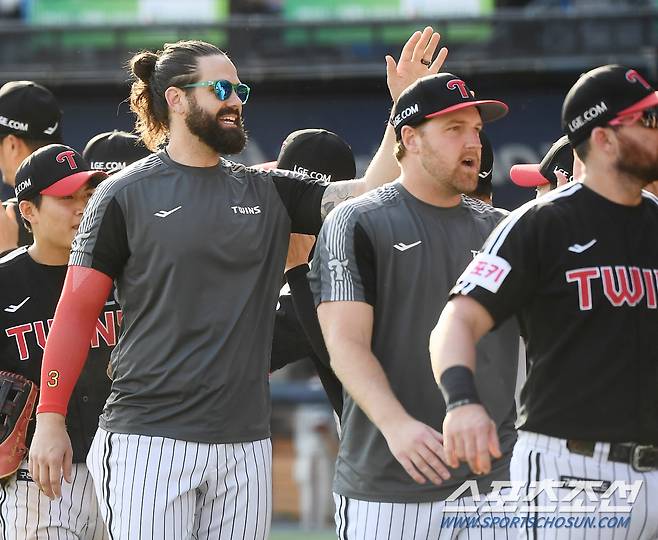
[[175, 65], [143, 64]]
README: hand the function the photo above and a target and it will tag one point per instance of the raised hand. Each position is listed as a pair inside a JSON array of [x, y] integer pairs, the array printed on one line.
[[415, 61]]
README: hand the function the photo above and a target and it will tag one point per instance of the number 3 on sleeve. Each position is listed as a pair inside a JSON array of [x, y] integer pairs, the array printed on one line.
[[53, 378]]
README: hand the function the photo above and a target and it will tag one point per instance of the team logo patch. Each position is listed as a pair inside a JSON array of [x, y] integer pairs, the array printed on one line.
[[69, 157], [633, 76], [487, 271], [338, 269], [460, 85]]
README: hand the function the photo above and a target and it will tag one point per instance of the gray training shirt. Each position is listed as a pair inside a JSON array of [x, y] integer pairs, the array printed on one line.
[[402, 256], [197, 255]]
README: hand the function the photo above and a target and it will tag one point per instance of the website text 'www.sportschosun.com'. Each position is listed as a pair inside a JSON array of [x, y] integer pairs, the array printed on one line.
[[532, 522]]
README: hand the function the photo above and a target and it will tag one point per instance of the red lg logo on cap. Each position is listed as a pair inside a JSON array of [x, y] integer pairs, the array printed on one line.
[[68, 157], [458, 83], [633, 76]]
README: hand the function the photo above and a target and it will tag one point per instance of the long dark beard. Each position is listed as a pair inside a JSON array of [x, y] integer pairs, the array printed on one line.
[[224, 140], [636, 162]]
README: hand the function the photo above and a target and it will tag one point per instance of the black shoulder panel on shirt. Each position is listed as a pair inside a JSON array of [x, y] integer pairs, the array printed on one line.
[[110, 255], [365, 260]]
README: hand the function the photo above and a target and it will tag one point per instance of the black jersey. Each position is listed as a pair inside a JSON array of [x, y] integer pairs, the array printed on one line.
[[581, 272], [297, 335], [29, 293]]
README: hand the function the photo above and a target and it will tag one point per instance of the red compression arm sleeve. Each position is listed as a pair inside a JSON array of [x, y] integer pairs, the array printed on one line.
[[83, 296]]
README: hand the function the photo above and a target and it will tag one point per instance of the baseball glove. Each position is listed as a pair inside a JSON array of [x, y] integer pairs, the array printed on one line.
[[17, 399]]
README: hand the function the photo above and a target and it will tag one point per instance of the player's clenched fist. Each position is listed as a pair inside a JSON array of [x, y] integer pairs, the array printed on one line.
[[50, 454], [470, 435]]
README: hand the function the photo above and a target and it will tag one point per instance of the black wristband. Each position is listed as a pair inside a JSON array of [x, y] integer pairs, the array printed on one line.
[[297, 272], [458, 387]]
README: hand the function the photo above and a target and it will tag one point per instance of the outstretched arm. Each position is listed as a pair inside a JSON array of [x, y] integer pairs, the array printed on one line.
[[302, 300], [83, 296], [383, 168]]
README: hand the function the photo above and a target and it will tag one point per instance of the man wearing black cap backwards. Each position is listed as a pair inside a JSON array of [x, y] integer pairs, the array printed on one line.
[[113, 151], [559, 166], [579, 267], [324, 155], [52, 185], [382, 263], [29, 119]]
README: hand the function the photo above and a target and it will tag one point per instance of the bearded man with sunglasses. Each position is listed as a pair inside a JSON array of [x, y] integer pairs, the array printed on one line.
[[579, 268], [196, 245]]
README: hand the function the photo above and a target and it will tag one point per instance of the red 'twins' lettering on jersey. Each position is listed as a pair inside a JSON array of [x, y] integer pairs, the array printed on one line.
[[624, 285], [107, 329]]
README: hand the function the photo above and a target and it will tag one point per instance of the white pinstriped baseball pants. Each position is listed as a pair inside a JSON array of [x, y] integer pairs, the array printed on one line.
[[155, 487], [27, 514], [539, 457], [368, 520]]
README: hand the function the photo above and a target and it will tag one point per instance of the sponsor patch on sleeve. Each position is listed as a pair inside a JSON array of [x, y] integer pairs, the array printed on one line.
[[486, 271]]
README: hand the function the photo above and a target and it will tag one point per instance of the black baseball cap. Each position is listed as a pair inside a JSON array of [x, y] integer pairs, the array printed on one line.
[[319, 153], [30, 111], [558, 158], [114, 150], [56, 170], [601, 95], [439, 94]]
